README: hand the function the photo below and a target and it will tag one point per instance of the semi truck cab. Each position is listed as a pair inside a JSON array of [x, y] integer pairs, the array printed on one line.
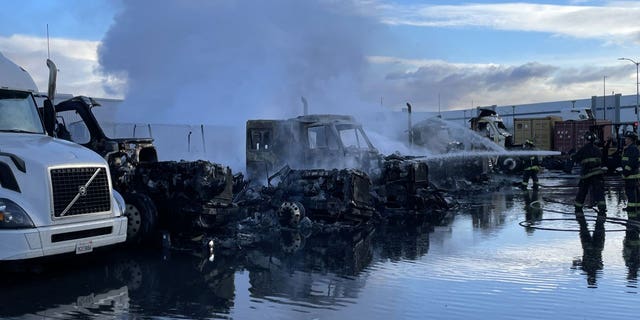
[[55, 196]]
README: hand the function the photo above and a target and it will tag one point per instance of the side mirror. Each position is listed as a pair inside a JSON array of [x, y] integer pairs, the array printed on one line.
[[49, 115]]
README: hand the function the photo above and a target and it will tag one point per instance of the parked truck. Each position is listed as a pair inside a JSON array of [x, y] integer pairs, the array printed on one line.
[[55, 196], [489, 124]]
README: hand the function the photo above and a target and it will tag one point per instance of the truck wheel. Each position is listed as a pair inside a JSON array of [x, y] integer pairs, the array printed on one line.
[[508, 165], [291, 213], [141, 217]]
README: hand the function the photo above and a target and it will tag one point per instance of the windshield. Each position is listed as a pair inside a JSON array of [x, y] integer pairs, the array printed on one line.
[[502, 129], [18, 112], [353, 137]]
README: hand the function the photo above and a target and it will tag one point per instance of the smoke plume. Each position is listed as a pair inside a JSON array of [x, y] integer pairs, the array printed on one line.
[[223, 62]]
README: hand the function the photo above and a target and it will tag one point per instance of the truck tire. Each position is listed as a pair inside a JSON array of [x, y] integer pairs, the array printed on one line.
[[509, 164], [291, 213], [141, 216]]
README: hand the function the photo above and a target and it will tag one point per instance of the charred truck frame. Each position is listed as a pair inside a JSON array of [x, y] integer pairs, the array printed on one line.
[[313, 144]]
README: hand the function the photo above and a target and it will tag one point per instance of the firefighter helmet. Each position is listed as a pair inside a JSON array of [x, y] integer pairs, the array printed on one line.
[[590, 136], [528, 144], [631, 134]]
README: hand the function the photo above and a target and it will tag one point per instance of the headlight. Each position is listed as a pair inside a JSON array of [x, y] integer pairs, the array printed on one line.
[[120, 202], [12, 216]]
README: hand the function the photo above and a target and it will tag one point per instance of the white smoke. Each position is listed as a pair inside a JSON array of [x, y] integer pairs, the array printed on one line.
[[223, 62]]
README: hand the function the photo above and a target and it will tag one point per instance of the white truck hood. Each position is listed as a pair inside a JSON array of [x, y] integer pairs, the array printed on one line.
[[41, 152], [44, 151]]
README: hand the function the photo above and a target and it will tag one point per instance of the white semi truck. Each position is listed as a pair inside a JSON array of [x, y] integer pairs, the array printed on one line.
[[55, 196]]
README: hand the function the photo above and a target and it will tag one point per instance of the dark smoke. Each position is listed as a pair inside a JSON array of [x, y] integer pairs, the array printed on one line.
[[223, 62]]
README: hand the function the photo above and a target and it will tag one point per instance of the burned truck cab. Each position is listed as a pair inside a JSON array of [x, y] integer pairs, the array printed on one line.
[[308, 142], [77, 123], [323, 149]]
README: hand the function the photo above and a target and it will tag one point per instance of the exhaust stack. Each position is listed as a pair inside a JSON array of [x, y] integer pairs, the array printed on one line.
[[53, 74], [305, 106]]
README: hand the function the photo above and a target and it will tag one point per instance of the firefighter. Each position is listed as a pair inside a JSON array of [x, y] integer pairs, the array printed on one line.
[[531, 167], [631, 174], [591, 176]]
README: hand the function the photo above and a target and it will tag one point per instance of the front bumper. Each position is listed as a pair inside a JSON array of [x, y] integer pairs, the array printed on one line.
[[52, 240]]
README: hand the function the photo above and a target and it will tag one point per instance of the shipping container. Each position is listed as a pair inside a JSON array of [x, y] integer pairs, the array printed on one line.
[[538, 130], [568, 135]]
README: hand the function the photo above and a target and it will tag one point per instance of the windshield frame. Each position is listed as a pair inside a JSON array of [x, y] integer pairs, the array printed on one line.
[[359, 133], [33, 120]]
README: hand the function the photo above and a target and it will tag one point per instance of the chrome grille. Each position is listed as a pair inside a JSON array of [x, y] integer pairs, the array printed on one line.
[[75, 192]]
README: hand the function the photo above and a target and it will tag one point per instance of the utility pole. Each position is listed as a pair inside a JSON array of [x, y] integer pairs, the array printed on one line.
[[439, 114], [410, 125]]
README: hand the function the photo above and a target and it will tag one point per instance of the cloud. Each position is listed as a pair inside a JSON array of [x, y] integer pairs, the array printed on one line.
[[614, 22], [427, 83], [77, 61]]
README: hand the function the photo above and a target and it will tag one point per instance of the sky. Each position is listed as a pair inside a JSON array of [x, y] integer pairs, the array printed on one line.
[[216, 62]]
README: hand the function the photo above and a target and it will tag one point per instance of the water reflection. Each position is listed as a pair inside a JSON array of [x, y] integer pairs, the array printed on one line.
[[321, 271], [592, 245], [120, 283], [90, 290], [405, 242], [533, 209], [487, 215], [631, 251]]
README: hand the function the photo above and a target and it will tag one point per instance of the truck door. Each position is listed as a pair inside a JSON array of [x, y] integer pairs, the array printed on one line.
[[323, 148], [262, 160]]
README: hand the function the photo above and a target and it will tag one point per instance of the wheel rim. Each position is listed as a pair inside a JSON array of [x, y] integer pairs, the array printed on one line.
[[290, 213], [134, 220]]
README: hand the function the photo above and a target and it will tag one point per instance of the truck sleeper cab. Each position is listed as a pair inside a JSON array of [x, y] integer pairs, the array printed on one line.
[[55, 196]]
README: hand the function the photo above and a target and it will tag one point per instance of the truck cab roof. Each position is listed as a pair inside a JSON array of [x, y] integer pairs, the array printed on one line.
[[14, 77]]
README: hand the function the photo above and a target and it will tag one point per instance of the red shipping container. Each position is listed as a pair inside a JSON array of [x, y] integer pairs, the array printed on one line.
[[568, 136]]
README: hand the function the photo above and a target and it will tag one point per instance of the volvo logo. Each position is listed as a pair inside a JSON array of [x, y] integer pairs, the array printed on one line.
[[82, 191]]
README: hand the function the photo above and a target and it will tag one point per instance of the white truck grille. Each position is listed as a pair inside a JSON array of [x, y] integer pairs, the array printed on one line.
[[80, 191]]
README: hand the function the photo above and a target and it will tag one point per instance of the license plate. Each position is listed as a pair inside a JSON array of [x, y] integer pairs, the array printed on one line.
[[84, 247]]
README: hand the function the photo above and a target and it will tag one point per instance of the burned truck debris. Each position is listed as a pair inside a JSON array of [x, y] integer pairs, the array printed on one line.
[[325, 195], [188, 194], [315, 144], [168, 195]]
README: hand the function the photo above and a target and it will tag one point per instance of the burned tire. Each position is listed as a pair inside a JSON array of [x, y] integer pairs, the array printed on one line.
[[291, 213], [509, 164], [141, 216]]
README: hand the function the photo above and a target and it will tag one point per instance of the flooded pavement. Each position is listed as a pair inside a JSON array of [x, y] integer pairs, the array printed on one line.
[[501, 255]]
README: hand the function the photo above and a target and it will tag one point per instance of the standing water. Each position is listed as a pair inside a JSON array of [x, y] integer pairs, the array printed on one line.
[[501, 255]]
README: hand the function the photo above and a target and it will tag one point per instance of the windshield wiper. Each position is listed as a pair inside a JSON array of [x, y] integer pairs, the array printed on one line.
[[17, 131]]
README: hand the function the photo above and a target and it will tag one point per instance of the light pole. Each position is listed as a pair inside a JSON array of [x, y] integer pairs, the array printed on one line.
[[604, 98], [637, 82]]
